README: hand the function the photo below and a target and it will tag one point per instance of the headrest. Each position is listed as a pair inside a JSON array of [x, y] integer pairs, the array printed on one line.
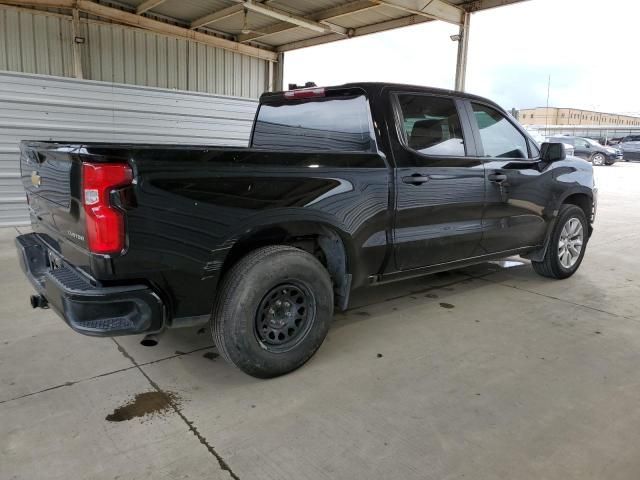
[[426, 133]]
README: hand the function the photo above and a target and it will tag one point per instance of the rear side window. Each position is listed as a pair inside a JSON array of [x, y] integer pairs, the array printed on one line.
[[500, 139], [568, 141], [581, 143], [431, 125], [324, 124]]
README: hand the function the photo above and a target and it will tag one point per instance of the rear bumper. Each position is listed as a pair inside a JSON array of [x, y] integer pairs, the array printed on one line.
[[88, 308]]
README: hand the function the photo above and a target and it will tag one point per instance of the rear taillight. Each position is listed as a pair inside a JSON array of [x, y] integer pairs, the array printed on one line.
[[105, 228]]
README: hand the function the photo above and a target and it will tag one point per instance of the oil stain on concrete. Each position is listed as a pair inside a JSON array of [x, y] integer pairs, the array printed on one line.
[[211, 355], [446, 305], [145, 404]]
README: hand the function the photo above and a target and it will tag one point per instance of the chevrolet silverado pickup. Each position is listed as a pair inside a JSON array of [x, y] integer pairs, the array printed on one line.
[[340, 188]]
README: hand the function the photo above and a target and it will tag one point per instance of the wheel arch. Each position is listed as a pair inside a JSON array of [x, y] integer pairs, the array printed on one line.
[[329, 244], [581, 198]]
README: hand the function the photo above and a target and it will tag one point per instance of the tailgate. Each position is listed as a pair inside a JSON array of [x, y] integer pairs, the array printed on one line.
[[50, 175]]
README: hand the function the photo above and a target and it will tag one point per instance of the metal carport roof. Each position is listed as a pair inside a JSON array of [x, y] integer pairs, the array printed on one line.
[[268, 28]]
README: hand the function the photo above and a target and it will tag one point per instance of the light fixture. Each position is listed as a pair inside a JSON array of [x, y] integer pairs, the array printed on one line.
[[245, 23]]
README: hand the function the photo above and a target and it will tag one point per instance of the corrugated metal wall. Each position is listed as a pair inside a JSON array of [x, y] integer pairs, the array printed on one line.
[[39, 107], [38, 42]]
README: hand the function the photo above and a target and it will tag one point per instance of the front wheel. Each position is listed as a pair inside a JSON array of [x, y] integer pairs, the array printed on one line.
[[567, 244], [598, 159], [273, 311]]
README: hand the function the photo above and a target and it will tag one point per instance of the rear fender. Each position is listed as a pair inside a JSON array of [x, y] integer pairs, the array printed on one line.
[[337, 251]]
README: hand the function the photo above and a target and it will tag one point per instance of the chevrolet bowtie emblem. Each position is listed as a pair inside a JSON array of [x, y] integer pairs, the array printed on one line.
[[35, 179]]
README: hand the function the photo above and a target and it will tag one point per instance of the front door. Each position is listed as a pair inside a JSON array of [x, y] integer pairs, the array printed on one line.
[[517, 188], [440, 186]]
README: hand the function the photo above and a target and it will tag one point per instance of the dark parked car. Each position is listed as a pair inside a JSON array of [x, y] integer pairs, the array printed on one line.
[[591, 150], [341, 188], [630, 147]]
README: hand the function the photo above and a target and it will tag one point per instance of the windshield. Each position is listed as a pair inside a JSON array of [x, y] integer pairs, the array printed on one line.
[[592, 142]]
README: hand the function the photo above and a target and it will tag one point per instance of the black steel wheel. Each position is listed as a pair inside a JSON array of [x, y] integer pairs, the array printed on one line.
[[284, 317], [273, 311]]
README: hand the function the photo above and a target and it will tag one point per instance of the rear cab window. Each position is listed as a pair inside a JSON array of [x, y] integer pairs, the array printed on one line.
[[430, 125], [339, 121]]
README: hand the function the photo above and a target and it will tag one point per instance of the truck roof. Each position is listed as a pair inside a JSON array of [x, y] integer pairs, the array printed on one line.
[[373, 88]]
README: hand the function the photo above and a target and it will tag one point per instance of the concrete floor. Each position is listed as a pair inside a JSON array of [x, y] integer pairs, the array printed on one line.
[[491, 372]]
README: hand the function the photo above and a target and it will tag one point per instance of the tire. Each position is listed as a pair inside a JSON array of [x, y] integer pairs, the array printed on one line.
[[256, 333], [598, 159], [552, 265]]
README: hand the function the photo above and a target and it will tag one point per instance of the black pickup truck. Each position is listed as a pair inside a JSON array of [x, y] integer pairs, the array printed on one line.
[[341, 188]]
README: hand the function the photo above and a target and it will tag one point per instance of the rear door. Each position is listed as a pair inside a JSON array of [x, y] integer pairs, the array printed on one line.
[[517, 189], [439, 184], [582, 148]]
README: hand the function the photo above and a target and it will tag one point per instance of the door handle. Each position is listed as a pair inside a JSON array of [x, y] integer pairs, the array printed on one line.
[[416, 179], [497, 177]]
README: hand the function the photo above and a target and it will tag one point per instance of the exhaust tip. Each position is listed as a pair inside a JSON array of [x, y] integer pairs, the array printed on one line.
[[150, 340], [38, 301]]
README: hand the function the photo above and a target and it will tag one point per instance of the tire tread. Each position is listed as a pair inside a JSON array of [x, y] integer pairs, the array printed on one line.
[[225, 298], [547, 267]]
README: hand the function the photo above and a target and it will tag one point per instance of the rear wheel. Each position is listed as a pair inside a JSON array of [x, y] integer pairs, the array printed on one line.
[[567, 244], [273, 311], [598, 159]]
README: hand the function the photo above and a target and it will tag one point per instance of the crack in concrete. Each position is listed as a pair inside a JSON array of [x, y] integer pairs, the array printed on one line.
[[175, 407], [82, 380], [575, 304]]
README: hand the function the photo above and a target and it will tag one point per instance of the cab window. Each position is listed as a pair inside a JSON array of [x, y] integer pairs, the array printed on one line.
[[431, 125], [323, 124], [500, 139]]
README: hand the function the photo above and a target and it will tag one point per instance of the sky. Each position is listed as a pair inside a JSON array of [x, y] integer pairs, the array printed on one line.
[[588, 47]]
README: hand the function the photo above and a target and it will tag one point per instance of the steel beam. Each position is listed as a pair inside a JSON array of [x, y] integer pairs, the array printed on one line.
[[148, 5], [288, 17], [360, 31], [75, 46], [278, 74], [433, 9], [475, 6], [463, 50], [215, 16], [321, 16]]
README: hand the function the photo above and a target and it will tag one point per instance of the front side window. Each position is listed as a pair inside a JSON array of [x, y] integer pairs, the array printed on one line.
[[431, 125], [324, 124], [500, 139]]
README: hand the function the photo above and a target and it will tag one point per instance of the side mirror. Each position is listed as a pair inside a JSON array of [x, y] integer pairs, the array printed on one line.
[[552, 152]]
